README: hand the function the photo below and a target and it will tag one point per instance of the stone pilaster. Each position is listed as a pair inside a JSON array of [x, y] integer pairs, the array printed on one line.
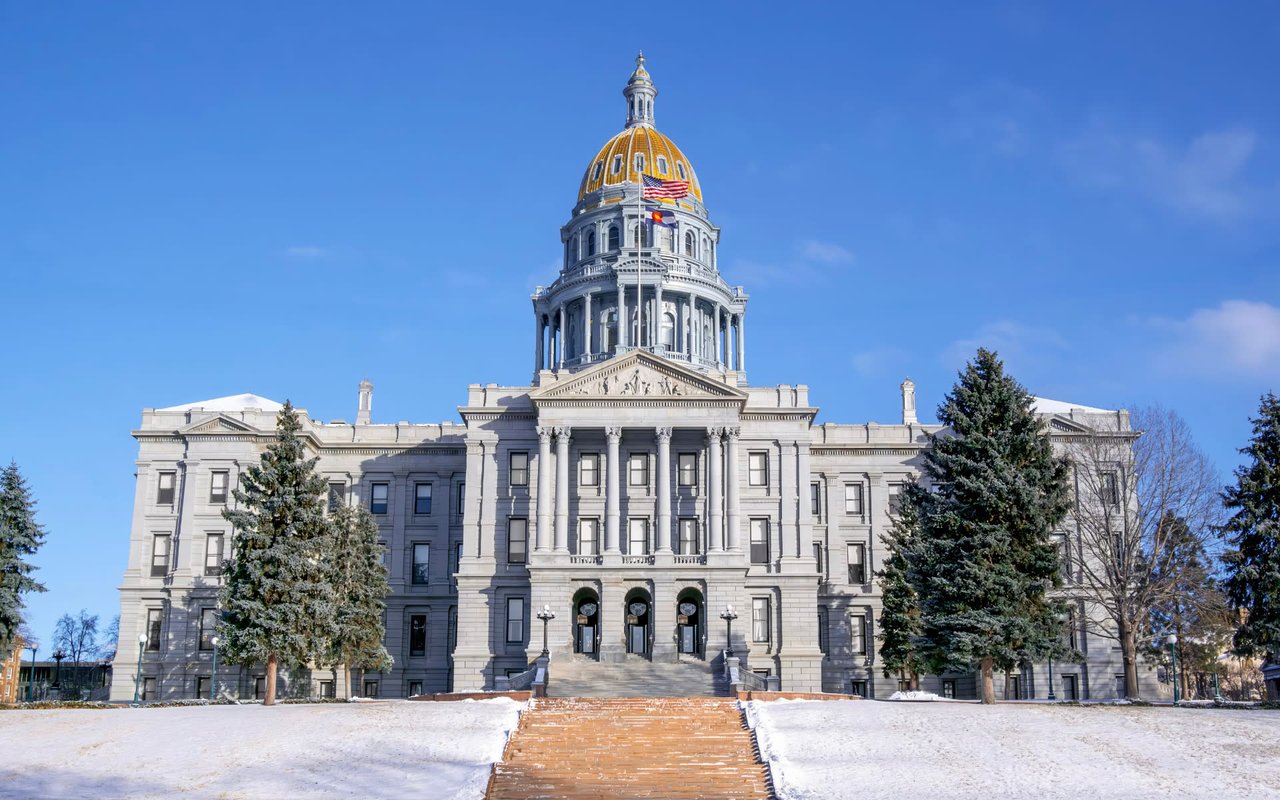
[[543, 534], [663, 438], [562, 490]]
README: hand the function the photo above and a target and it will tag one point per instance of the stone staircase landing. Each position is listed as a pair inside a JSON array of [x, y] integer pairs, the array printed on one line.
[[579, 676]]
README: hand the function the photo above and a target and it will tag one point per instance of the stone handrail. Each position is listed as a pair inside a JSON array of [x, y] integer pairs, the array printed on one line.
[[534, 678]]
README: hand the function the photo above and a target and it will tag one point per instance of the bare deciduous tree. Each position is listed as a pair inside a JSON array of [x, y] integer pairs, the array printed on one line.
[[77, 637], [1135, 490]]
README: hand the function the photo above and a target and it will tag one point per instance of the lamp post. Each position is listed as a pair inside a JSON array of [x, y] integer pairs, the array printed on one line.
[[1217, 688], [31, 684], [1173, 653], [58, 655], [137, 676], [546, 615], [1051, 695], [213, 679], [728, 615]]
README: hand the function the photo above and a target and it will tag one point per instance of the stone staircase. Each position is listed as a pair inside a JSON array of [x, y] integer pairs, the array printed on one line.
[[688, 747], [577, 676]]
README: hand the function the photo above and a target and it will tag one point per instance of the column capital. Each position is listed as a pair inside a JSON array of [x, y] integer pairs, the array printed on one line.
[[563, 433], [714, 433], [613, 433], [545, 433], [732, 433], [662, 434]]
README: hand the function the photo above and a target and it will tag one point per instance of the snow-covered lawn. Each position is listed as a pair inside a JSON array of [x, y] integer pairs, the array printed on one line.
[[366, 750], [865, 750]]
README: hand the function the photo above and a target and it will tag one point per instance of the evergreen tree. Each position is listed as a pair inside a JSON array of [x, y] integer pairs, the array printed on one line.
[[360, 590], [1253, 565], [900, 614], [277, 604], [983, 562], [20, 537]]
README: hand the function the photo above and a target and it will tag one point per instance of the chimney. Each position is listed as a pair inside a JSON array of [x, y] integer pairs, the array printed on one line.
[[366, 402], [909, 403]]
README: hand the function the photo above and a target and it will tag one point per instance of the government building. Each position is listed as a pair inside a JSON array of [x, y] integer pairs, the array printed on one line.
[[637, 488]]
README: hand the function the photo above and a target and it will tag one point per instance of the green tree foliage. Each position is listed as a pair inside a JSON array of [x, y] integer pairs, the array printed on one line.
[[20, 538], [1253, 564], [900, 615], [360, 589], [277, 602], [982, 563]]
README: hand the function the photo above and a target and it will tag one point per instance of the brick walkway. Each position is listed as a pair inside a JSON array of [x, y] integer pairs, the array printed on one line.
[[690, 747]]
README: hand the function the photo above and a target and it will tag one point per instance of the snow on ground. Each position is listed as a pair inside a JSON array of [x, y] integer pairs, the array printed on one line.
[[915, 695], [867, 750], [367, 750]]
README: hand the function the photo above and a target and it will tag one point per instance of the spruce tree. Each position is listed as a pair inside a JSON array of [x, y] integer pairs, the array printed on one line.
[[277, 603], [983, 563], [1253, 565], [900, 614], [360, 590], [20, 537]]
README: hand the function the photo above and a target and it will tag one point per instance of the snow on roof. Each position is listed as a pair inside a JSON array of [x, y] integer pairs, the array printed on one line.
[[1043, 405], [234, 402]]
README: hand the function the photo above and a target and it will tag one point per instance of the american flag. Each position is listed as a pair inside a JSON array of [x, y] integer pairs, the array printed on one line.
[[658, 189]]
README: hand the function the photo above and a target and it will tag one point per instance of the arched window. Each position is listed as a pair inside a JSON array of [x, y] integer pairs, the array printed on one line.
[[617, 165], [640, 162], [680, 170], [569, 255], [689, 243], [609, 327], [636, 241], [706, 248], [613, 237], [662, 166], [668, 337], [595, 173], [591, 244]]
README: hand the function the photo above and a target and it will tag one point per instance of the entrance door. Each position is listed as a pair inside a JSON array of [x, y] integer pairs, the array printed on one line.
[[689, 621], [638, 627], [1069, 687], [588, 626]]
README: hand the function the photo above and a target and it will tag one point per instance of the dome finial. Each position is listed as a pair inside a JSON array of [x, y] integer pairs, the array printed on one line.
[[640, 93]]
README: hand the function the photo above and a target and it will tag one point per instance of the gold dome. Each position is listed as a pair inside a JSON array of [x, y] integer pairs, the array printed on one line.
[[637, 149]]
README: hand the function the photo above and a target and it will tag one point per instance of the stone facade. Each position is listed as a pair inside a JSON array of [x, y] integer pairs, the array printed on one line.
[[637, 488]]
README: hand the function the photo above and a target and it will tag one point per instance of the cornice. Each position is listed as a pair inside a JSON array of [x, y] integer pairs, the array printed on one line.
[[869, 450]]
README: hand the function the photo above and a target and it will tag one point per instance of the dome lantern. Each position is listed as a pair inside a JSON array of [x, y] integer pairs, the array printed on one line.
[[640, 93]]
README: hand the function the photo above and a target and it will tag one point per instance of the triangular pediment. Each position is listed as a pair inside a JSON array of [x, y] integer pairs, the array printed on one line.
[[1060, 424], [638, 376], [219, 423]]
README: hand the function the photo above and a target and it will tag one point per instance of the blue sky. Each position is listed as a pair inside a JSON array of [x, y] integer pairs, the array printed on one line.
[[205, 199]]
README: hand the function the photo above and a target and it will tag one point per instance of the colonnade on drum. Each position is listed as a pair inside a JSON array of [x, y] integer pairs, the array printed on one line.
[[722, 519]]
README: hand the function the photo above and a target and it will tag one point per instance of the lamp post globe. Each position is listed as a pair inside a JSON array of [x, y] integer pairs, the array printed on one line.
[[546, 615], [728, 615], [137, 675], [1172, 641], [213, 678]]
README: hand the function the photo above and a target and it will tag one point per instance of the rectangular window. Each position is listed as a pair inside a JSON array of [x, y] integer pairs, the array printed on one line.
[[378, 494], [421, 563], [149, 694], [415, 688], [760, 619], [688, 468], [1072, 640], [688, 537], [1110, 489], [218, 487], [817, 556], [823, 623], [638, 469], [895, 498], [815, 500], [589, 469], [758, 469], [857, 564], [213, 553], [638, 537], [759, 541], [515, 620], [165, 490], [422, 498], [853, 499], [202, 687], [418, 634], [520, 469], [453, 627], [858, 688], [1122, 690], [337, 496], [462, 496], [1069, 691], [259, 687], [370, 688], [457, 556], [160, 554], [949, 689], [1064, 558], [858, 635], [153, 630], [517, 541], [588, 537], [327, 689], [208, 627]]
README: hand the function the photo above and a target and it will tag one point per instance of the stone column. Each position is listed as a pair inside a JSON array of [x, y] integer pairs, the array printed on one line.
[[562, 488], [657, 315], [612, 501], [715, 532], [560, 349], [623, 322], [586, 326], [742, 342], [716, 339], [731, 487], [663, 438], [543, 534], [737, 348], [537, 350]]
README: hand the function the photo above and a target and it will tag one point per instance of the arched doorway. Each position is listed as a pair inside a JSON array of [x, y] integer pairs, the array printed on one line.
[[639, 621], [586, 622], [690, 630]]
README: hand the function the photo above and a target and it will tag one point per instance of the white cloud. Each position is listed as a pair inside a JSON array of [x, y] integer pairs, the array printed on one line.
[[880, 361], [1204, 178], [306, 251], [824, 252], [1237, 337], [1012, 341]]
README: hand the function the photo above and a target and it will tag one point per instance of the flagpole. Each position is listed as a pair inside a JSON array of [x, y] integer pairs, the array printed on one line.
[[639, 239]]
